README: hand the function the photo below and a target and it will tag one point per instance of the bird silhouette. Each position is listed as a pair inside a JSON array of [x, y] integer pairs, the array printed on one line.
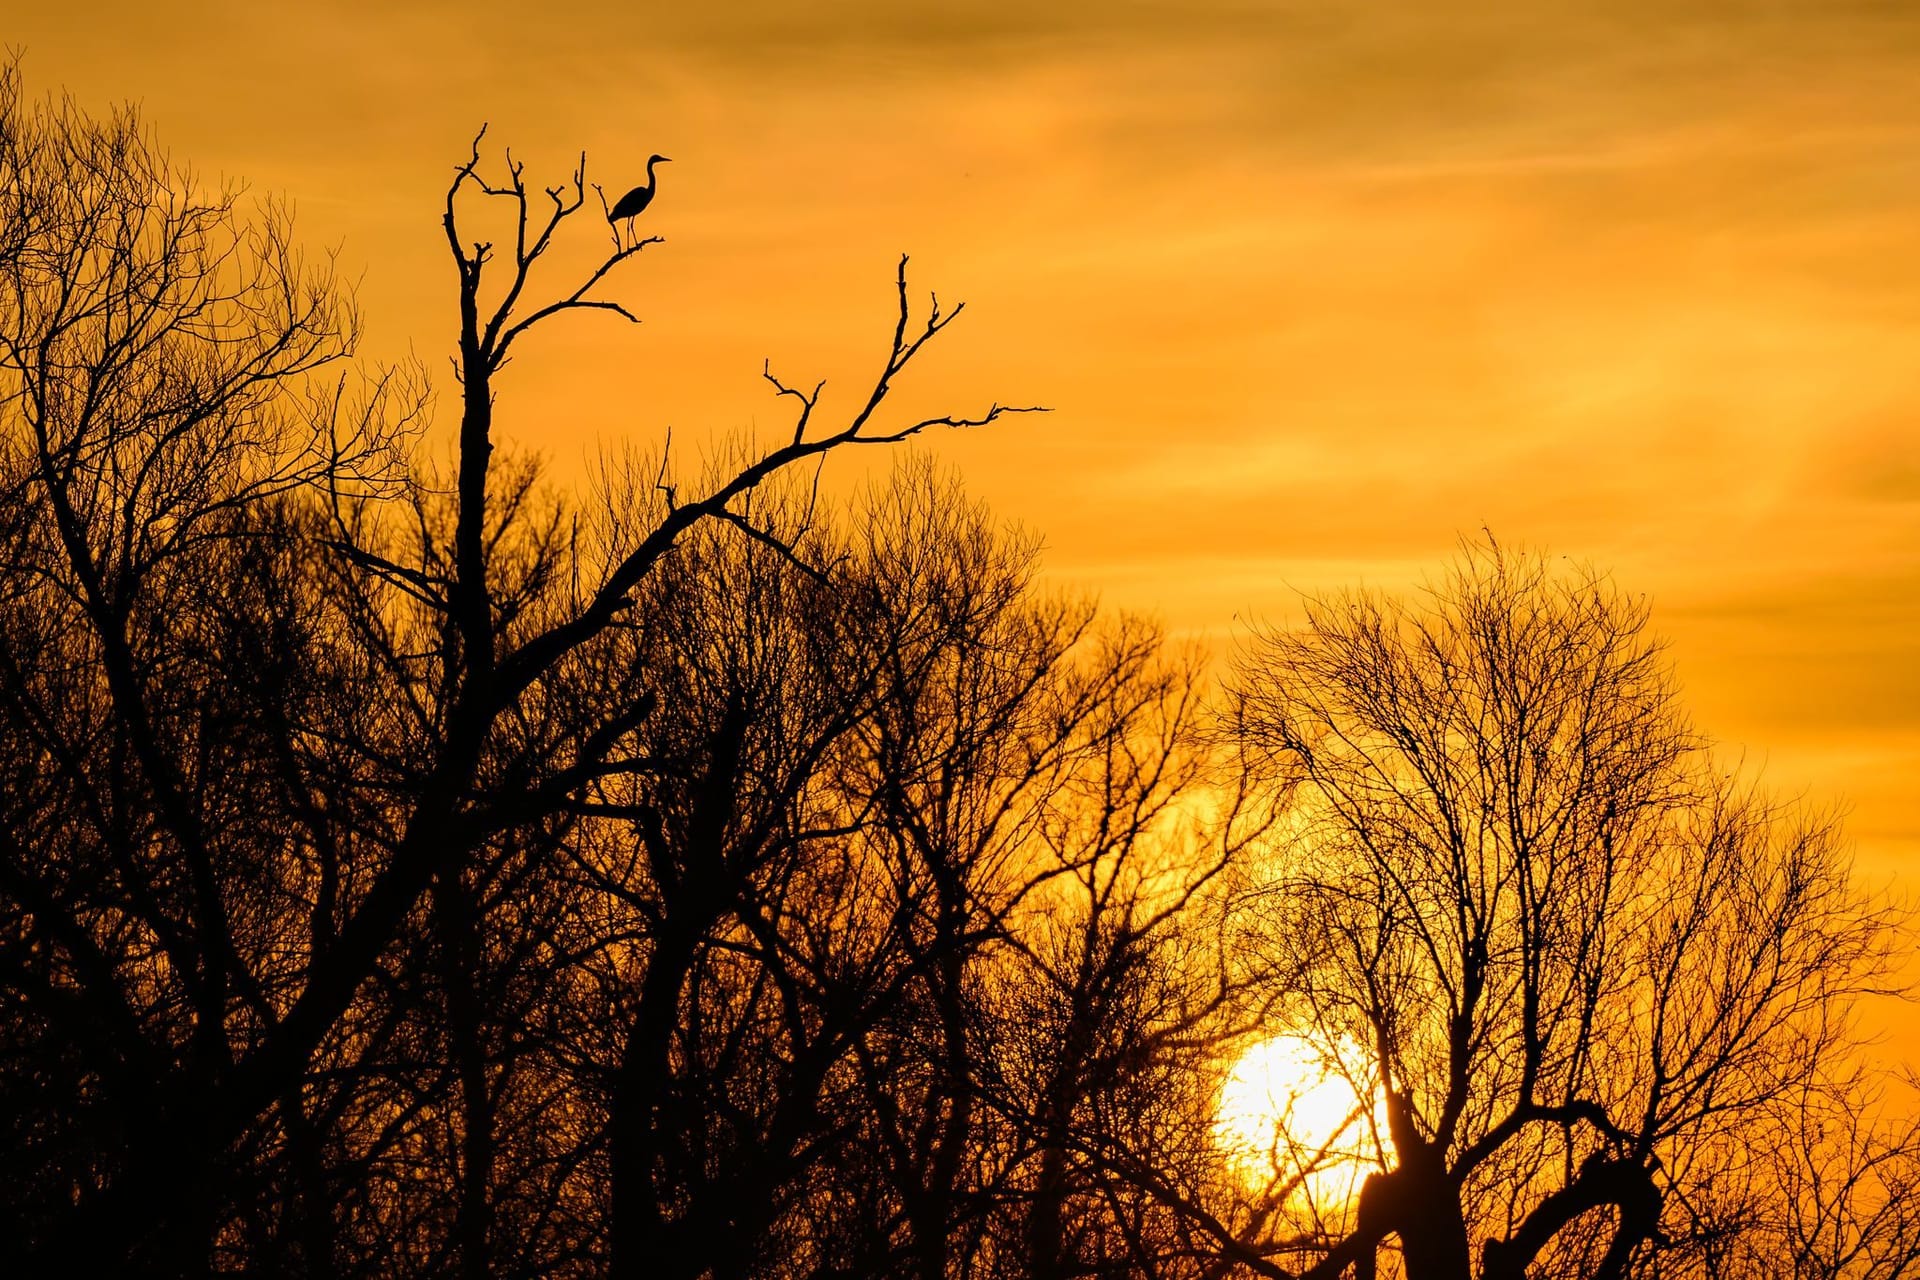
[[635, 202]]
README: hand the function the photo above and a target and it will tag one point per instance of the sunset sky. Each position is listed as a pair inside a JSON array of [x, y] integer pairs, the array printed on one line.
[[1313, 288]]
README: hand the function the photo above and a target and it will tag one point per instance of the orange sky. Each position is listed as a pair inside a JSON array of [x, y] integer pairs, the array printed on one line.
[[1313, 286]]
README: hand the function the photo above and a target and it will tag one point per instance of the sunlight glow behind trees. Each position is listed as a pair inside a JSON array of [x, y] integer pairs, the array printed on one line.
[[1292, 1112]]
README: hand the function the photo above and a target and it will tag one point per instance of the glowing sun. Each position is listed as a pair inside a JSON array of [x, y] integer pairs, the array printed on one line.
[[1289, 1112]]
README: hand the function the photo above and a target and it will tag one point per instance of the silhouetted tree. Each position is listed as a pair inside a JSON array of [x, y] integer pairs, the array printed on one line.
[[1576, 953], [277, 711], [164, 379], [412, 869]]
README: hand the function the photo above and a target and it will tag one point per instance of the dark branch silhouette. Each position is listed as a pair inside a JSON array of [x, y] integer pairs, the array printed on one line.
[[413, 870]]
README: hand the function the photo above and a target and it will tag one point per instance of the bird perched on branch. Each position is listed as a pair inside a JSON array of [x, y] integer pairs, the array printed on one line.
[[635, 202]]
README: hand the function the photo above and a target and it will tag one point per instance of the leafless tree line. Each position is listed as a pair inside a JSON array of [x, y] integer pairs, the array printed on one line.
[[417, 870]]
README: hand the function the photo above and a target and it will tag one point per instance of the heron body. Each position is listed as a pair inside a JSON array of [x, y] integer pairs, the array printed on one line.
[[635, 202]]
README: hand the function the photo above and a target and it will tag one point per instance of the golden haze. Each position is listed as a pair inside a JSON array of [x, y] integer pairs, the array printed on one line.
[[1313, 287]]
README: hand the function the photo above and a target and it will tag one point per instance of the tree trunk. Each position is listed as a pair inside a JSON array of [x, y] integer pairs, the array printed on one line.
[[1418, 1203], [638, 1231]]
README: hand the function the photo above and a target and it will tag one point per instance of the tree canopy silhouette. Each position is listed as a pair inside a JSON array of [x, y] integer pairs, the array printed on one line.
[[1582, 961], [413, 868]]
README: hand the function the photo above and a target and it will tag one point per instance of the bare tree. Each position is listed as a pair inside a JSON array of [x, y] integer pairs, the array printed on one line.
[[166, 388], [270, 698], [412, 869], [1820, 1185], [1577, 952]]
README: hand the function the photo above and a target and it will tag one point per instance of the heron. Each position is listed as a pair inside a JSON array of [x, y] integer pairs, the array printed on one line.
[[635, 202]]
